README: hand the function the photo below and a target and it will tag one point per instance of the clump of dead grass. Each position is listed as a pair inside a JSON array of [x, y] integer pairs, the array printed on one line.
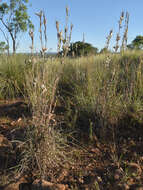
[[45, 148]]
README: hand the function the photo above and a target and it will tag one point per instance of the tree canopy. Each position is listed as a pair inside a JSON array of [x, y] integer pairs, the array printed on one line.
[[15, 19], [81, 49], [137, 43]]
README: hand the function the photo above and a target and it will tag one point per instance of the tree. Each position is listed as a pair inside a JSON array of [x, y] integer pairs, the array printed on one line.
[[137, 43], [82, 49], [3, 47], [15, 19]]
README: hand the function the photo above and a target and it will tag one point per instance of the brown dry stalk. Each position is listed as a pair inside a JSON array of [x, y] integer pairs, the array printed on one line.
[[59, 36], [45, 29], [31, 34], [64, 41], [108, 39], [83, 40], [70, 32], [53, 99], [116, 47], [125, 35], [43, 22]]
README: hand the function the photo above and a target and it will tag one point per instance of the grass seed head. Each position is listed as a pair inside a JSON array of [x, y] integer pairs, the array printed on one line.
[[67, 11]]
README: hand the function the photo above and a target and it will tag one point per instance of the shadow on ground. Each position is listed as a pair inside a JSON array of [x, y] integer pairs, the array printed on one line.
[[14, 110]]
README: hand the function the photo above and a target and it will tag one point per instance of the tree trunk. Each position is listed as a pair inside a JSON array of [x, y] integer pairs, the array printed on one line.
[[14, 46], [13, 43]]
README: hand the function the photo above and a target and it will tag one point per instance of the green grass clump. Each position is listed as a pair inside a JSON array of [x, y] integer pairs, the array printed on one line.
[[98, 91], [12, 76]]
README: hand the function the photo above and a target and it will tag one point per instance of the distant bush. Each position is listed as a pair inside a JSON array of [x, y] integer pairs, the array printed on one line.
[[82, 49], [137, 43]]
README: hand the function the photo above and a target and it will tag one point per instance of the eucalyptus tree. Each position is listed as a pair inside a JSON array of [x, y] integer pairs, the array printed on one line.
[[14, 20]]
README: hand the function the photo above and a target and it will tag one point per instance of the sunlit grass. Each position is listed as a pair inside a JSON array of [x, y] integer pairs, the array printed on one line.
[[94, 89]]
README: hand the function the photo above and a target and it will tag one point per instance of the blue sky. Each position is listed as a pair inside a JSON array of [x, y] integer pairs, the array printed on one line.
[[94, 18]]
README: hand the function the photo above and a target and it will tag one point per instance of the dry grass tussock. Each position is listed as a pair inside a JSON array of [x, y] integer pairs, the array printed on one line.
[[45, 147]]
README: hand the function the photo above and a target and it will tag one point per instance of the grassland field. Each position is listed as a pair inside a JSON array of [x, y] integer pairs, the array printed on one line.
[[84, 117]]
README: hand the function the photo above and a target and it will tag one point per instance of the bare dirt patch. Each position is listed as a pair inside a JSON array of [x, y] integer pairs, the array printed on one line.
[[100, 165]]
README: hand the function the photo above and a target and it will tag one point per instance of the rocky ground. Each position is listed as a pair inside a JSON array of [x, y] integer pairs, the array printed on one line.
[[99, 166]]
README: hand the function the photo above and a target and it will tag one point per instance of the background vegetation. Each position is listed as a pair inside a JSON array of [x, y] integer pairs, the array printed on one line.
[[90, 99]]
